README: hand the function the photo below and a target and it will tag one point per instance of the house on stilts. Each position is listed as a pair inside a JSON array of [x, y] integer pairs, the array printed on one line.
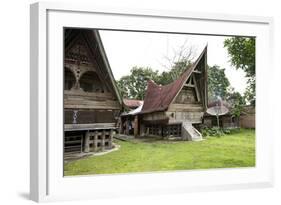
[[92, 103], [177, 109]]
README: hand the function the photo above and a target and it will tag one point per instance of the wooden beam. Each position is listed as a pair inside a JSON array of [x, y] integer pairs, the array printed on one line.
[[196, 89], [87, 142], [93, 126], [197, 71], [189, 85]]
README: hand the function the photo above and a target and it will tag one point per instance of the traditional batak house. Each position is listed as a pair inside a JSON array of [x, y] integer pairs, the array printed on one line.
[[92, 103], [176, 109]]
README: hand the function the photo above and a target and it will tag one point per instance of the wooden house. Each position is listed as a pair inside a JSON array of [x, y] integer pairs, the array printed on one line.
[[129, 118], [176, 109], [248, 117], [92, 103]]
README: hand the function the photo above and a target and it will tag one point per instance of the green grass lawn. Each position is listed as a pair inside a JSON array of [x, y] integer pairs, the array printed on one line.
[[233, 150]]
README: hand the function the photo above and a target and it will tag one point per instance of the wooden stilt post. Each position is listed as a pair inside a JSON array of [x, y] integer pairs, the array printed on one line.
[[87, 142], [121, 129], [95, 144], [103, 140], [127, 126], [136, 126], [142, 129], [110, 139]]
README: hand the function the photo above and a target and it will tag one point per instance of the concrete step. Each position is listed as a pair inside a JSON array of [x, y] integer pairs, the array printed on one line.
[[190, 133]]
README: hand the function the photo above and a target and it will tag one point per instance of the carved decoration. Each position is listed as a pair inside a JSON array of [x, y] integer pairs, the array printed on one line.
[[77, 60]]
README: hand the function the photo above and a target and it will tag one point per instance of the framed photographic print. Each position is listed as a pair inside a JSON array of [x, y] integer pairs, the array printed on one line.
[[131, 102]]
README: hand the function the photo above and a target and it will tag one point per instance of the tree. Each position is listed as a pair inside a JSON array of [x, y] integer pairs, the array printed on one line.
[[242, 55], [237, 103], [134, 85], [177, 63], [177, 69], [218, 83]]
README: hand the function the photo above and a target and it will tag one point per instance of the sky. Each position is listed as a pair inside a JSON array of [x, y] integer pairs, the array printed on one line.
[[126, 49]]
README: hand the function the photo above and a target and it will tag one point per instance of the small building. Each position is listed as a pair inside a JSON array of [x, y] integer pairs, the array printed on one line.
[[248, 117], [131, 104], [176, 109], [92, 103], [129, 120], [227, 120]]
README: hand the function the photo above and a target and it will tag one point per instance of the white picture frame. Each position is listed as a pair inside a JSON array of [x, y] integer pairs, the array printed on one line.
[[46, 101]]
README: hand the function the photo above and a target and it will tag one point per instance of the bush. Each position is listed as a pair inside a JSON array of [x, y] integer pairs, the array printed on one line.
[[214, 131], [217, 131]]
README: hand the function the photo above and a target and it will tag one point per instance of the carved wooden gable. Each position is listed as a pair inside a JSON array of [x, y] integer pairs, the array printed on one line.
[[88, 80], [78, 61], [195, 88]]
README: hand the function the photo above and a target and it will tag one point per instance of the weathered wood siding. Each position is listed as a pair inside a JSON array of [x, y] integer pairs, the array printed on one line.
[[180, 116], [90, 116], [87, 87], [186, 96], [155, 118], [90, 100], [248, 121], [186, 107]]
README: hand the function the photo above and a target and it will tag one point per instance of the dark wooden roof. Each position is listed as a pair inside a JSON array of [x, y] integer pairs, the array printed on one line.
[[158, 98]]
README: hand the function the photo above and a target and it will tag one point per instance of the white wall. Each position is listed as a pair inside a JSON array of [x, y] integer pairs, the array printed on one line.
[[14, 101]]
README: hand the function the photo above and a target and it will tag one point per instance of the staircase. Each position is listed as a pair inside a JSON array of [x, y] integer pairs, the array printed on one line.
[[190, 133]]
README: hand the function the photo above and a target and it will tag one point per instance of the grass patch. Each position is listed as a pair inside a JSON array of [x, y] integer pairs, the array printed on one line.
[[233, 150]]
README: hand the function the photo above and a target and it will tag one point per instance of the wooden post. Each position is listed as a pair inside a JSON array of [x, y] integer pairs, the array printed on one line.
[[95, 145], [121, 130], [110, 139], [142, 129], [127, 127], [87, 142], [136, 126], [103, 140]]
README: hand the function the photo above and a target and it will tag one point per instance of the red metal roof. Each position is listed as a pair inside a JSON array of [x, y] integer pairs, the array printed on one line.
[[158, 98], [131, 103]]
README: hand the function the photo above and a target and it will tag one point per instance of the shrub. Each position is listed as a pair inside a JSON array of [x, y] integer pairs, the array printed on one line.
[[217, 131], [214, 131]]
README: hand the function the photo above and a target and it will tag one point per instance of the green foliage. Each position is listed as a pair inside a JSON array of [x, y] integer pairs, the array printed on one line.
[[237, 103], [213, 132], [177, 69], [232, 150], [242, 55], [134, 85], [250, 93], [217, 83], [218, 132]]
